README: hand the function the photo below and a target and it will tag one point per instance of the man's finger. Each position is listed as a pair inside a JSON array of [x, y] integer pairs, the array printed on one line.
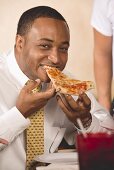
[[31, 84], [45, 94], [62, 105], [63, 99], [73, 104], [85, 99]]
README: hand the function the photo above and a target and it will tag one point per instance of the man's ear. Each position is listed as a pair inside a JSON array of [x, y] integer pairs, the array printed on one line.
[[19, 42]]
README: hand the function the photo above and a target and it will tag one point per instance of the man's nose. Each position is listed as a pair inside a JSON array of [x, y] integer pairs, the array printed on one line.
[[54, 57]]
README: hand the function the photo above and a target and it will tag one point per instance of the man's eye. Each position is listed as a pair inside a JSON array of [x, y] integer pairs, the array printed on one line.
[[45, 46], [64, 49]]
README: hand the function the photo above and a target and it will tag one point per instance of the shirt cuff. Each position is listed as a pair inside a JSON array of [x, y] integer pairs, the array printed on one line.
[[12, 124], [95, 125]]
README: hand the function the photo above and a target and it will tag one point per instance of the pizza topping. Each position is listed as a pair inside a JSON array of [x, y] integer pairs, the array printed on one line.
[[65, 84]]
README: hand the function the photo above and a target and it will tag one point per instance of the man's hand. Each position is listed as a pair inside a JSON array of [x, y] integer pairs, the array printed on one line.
[[76, 109], [29, 102]]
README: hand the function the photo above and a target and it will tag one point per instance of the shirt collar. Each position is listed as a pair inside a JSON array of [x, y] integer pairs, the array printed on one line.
[[15, 69]]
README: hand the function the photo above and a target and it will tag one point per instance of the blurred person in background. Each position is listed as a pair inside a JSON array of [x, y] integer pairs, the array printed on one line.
[[103, 27]]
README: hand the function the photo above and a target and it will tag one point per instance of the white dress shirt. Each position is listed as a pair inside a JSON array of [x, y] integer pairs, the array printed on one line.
[[13, 124]]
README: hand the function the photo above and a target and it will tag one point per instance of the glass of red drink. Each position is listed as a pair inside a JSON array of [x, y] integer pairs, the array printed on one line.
[[96, 151]]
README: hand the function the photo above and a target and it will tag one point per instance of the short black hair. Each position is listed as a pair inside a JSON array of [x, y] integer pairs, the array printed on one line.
[[27, 18]]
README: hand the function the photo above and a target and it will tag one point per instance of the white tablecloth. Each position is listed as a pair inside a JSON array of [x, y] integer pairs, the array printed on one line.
[[59, 167], [64, 160]]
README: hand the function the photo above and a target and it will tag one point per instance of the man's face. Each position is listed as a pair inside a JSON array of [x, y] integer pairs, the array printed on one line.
[[46, 43]]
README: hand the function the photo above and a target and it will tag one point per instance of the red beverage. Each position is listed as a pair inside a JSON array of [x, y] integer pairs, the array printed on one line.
[[96, 151]]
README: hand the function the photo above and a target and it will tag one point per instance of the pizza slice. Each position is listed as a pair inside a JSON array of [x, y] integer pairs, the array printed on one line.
[[65, 84]]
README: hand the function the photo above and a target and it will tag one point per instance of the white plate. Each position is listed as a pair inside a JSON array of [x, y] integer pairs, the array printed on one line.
[[63, 158]]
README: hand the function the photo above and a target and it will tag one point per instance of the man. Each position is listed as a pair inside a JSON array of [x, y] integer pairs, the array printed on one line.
[[103, 25], [42, 38]]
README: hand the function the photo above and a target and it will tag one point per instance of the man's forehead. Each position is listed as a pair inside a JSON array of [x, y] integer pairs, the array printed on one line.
[[49, 28]]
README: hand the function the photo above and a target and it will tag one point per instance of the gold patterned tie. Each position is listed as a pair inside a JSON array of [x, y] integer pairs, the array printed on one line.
[[35, 136]]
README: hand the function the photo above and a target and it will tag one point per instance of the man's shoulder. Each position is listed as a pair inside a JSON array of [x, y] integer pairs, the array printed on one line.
[[3, 59]]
